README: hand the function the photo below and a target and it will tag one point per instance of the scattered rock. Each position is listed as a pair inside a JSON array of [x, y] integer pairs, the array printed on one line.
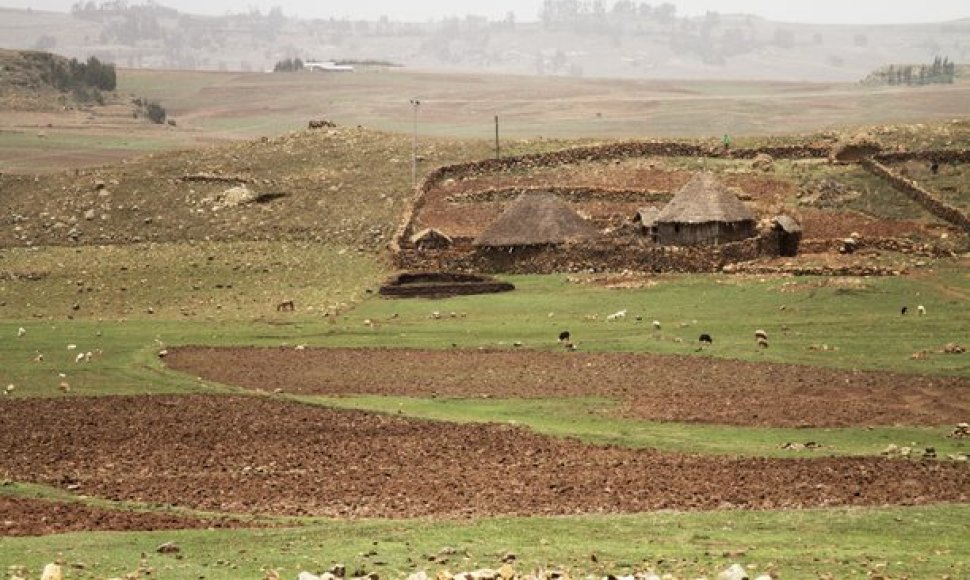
[[735, 572], [763, 162], [954, 348], [168, 548], [961, 431], [52, 572]]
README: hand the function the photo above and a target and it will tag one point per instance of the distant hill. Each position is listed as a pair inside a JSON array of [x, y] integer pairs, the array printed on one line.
[[33, 80], [629, 40]]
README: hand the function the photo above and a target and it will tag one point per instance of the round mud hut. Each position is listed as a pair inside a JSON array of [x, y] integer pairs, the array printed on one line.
[[704, 212], [535, 220]]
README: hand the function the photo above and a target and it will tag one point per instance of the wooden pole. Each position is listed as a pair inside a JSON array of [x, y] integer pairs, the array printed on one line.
[[498, 149]]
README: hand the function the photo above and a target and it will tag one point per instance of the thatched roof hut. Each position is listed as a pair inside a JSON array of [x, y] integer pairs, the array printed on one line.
[[536, 219], [646, 221], [787, 224], [646, 216], [704, 212], [788, 233]]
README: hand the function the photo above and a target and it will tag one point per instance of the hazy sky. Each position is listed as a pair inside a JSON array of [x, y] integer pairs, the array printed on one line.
[[827, 11]]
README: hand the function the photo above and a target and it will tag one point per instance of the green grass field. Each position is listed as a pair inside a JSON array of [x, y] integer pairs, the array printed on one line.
[[857, 319], [839, 543]]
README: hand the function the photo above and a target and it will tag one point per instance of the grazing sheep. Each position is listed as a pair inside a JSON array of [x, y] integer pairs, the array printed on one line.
[[904, 310], [762, 342], [921, 310], [79, 357], [617, 315], [21, 332], [656, 325], [706, 338], [564, 336], [760, 334]]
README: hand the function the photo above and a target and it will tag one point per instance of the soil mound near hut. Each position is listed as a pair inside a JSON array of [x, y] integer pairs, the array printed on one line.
[[441, 285]]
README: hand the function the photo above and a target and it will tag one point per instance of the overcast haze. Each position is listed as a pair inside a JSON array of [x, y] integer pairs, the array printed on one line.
[[815, 11]]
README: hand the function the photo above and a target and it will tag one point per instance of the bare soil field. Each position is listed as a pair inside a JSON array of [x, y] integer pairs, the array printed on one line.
[[262, 456], [657, 388], [24, 516]]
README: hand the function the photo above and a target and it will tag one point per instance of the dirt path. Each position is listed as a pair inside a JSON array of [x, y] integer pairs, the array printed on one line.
[[659, 388], [259, 455]]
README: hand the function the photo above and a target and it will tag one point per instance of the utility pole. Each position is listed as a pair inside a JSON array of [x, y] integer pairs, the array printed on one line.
[[415, 103], [498, 150]]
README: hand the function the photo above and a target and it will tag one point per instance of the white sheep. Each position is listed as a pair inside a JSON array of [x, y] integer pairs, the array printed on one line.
[[761, 335], [21, 332], [79, 357], [656, 325], [72, 347], [921, 310], [617, 315]]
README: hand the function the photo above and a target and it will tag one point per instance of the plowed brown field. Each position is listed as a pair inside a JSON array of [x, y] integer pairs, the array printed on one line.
[[259, 455], [659, 388], [34, 517]]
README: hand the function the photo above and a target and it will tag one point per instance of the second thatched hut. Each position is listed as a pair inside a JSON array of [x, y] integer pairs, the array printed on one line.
[[704, 212], [536, 220]]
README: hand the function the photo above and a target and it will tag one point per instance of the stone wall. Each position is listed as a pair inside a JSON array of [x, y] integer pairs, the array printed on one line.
[[900, 245], [938, 155], [599, 256], [920, 195]]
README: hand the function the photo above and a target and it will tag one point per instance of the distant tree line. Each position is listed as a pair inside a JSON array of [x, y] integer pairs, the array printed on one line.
[[288, 65], [941, 71], [85, 79]]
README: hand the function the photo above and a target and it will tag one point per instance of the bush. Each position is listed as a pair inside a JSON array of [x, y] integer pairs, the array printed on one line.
[[155, 113]]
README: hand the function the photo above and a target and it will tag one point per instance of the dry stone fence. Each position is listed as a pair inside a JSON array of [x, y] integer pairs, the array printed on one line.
[[922, 196]]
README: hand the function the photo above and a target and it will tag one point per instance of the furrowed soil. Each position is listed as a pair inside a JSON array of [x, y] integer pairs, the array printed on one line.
[[657, 388], [24, 516], [263, 456]]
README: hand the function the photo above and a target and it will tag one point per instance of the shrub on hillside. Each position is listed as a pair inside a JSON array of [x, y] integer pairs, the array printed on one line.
[[153, 111]]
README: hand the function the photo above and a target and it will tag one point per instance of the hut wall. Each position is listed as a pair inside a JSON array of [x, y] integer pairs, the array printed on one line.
[[706, 234]]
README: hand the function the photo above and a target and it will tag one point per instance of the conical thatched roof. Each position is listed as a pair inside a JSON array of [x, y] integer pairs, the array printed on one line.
[[787, 224], [536, 219], [703, 200], [647, 216]]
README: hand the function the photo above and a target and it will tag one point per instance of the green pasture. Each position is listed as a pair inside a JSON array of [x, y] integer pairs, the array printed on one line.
[[171, 297], [591, 420], [849, 324], [924, 542]]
